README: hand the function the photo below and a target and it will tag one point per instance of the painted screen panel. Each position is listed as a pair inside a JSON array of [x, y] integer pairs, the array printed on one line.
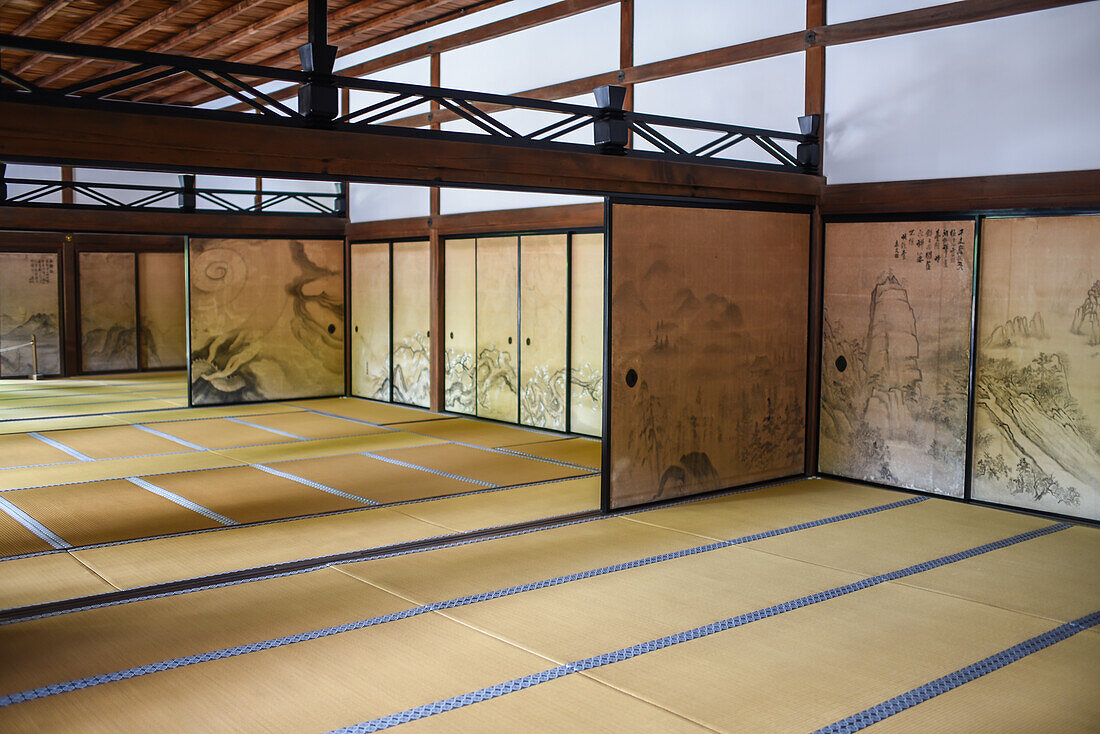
[[708, 349], [896, 352], [543, 264], [497, 328], [586, 338], [1037, 404], [460, 319], [108, 317], [412, 319], [370, 319], [28, 307], [267, 319], [163, 340]]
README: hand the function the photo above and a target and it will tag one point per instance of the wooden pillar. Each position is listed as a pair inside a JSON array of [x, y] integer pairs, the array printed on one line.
[[815, 105], [626, 55], [437, 385], [70, 309], [259, 193], [67, 176]]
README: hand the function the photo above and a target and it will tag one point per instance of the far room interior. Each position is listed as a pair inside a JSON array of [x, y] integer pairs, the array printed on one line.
[[581, 365]]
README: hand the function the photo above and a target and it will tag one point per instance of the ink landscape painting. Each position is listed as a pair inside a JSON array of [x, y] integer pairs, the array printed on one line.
[[708, 349], [896, 352], [1037, 406]]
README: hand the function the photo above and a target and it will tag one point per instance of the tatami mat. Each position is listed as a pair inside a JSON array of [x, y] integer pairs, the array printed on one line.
[[1052, 690], [9, 426], [366, 410], [213, 411], [348, 678], [375, 479], [510, 506], [98, 641], [1056, 576], [82, 409], [99, 512], [41, 579], [17, 449], [16, 540], [312, 425], [218, 433], [480, 433], [486, 466], [582, 451], [327, 447], [84, 471], [807, 668], [114, 442], [231, 549], [879, 543], [249, 495]]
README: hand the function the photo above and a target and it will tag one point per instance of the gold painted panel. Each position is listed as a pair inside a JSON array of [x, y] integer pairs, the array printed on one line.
[[411, 322], [28, 307], [543, 299], [163, 308], [370, 318], [896, 352], [460, 319], [267, 319], [587, 337], [108, 320], [1037, 404], [497, 328], [708, 349]]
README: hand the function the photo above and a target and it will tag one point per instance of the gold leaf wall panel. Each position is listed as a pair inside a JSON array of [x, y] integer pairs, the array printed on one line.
[[896, 352], [267, 319], [108, 315], [459, 318], [587, 336], [370, 318], [708, 349], [162, 305], [1037, 404], [497, 328], [543, 298], [29, 307], [411, 322]]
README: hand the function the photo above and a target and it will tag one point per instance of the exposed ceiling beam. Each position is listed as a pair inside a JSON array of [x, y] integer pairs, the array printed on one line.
[[90, 137], [108, 13], [150, 23]]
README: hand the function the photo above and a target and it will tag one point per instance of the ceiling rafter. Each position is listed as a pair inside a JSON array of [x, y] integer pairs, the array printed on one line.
[[188, 89], [91, 23], [39, 18], [150, 23]]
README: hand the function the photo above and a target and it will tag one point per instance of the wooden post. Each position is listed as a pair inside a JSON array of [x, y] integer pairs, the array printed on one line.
[[815, 105], [438, 367], [626, 56], [67, 177]]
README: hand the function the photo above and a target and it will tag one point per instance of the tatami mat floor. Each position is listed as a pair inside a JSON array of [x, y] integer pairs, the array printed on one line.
[[810, 606], [74, 396]]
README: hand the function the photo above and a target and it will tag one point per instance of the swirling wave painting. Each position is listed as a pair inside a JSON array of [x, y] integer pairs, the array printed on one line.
[[267, 319]]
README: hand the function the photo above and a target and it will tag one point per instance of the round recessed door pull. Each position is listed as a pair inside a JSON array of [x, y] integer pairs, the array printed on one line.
[[528, 341], [841, 363], [509, 340], [631, 378], [356, 328], [452, 335], [332, 328]]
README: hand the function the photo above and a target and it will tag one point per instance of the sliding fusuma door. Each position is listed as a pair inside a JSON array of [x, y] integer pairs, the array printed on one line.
[[707, 368]]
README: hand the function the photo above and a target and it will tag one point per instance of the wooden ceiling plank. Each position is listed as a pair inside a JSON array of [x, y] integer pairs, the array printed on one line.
[[108, 13], [164, 16], [38, 18]]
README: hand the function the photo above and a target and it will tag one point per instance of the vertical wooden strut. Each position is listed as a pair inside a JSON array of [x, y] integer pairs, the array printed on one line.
[[437, 353], [318, 98], [815, 105]]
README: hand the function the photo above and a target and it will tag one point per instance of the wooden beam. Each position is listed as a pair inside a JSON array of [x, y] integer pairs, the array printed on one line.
[[164, 222], [975, 193], [108, 13], [815, 61], [41, 16], [503, 221], [67, 177], [72, 136], [626, 55], [150, 23]]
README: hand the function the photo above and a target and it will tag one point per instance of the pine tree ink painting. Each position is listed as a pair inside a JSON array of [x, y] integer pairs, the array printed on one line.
[[895, 352]]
